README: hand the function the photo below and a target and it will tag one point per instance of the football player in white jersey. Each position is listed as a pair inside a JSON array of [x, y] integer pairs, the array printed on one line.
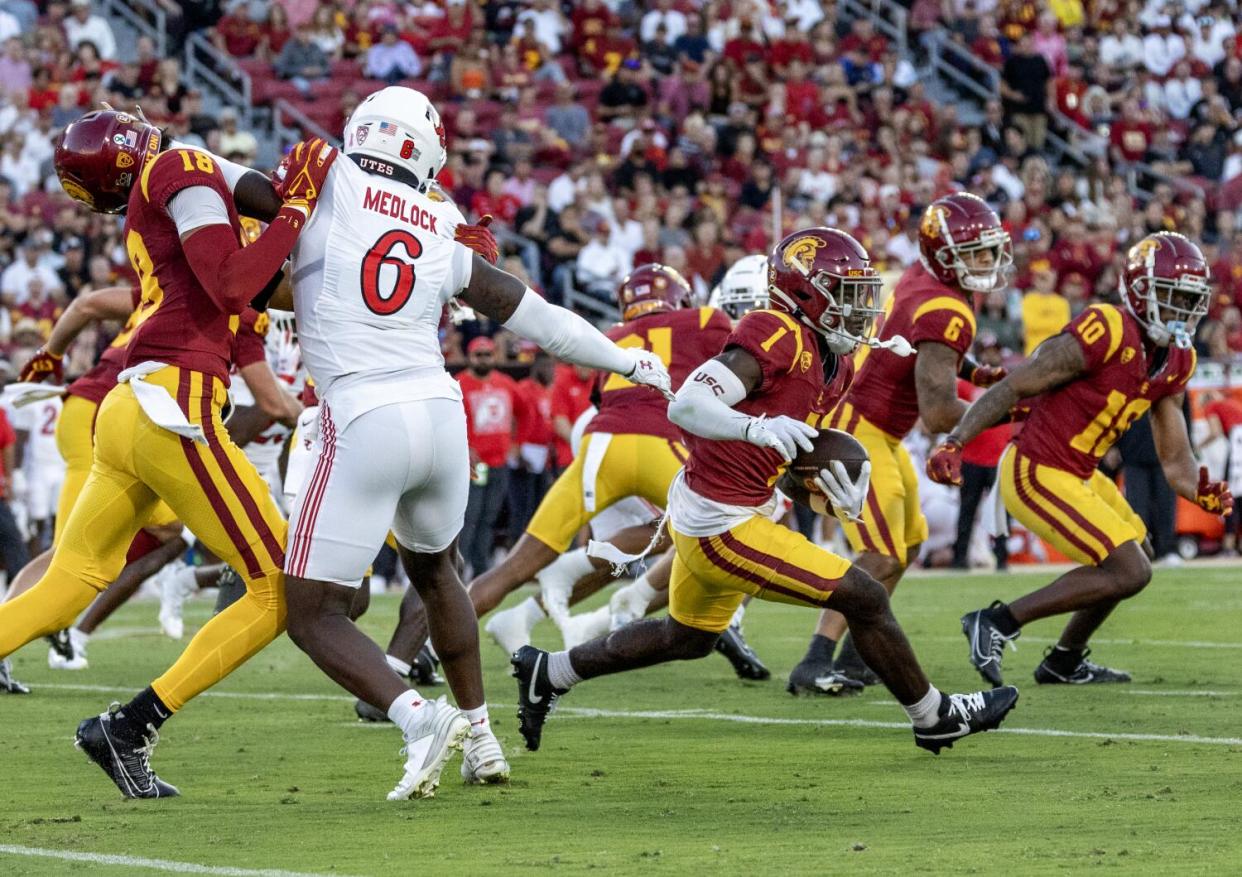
[[40, 461], [372, 271]]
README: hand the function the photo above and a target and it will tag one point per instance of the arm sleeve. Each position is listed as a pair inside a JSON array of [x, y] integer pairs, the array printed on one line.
[[566, 335], [704, 404]]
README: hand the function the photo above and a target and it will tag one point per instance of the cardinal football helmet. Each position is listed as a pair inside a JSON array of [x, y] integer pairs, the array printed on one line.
[[823, 277]]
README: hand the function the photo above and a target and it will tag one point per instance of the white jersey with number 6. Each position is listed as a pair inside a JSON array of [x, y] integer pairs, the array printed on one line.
[[373, 270]]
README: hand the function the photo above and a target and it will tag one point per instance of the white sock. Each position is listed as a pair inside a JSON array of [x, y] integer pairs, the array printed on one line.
[[479, 722], [641, 588], [738, 615], [561, 672], [573, 565], [401, 667], [431, 650], [75, 634], [406, 709], [926, 710], [532, 612]]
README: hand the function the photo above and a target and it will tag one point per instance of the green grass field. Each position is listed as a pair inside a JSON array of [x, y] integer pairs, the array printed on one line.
[[679, 769]]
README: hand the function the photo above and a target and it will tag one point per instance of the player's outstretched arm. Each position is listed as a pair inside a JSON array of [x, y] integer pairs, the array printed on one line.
[[704, 406], [1057, 361], [110, 303], [1187, 478], [561, 332], [270, 396]]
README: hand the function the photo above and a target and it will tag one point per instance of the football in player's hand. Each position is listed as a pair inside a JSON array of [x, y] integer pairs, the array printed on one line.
[[831, 444]]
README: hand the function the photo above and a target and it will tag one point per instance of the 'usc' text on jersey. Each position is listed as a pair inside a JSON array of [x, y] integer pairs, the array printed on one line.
[[794, 384]]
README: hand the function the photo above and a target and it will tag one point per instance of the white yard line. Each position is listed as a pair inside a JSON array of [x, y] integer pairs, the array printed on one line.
[[707, 715], [150, 864]]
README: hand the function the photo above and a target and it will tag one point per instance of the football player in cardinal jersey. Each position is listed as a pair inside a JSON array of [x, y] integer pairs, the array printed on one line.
[[962, 250], [158, 434], [373, 271], [745, 414], [1107, 368]]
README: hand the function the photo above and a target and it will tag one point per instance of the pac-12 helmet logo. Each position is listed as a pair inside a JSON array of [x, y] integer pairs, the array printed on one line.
[[800, 254]]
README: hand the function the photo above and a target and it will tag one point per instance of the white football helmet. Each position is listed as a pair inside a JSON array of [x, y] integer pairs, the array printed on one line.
[[399, 130], [744, 288]]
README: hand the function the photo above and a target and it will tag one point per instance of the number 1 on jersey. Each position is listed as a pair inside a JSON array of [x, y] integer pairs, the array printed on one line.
[[381, 254], [659, 340]]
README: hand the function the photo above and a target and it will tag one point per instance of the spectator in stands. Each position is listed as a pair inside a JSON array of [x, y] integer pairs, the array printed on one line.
[[302, 62], [531, 473], [1162, 47], [15, 77], [624, 97], [236, 143], [73, 272], [275, 32], [569, 118], [546, 24], [600, 265], [391, 59], [1044, 310], [1024, 87], [326, 34], [81, 25], [67, 107], [33, 263], [238, 32], [470, 73]]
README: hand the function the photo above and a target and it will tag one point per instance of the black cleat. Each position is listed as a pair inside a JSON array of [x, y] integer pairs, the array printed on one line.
[[536, 696], [858, 671], [1086, 673], [987, 643], [126, 764], [9, 685], [424, 672], [746, 664], [60, 644], [368, 713], [810, 677], [964, 714]]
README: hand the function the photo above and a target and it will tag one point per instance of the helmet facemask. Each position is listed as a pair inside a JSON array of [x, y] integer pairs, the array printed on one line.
[[979, 273], [853, 305], [1171, 308]]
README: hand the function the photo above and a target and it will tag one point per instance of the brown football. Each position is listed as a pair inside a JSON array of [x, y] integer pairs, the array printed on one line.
[[829, 445]]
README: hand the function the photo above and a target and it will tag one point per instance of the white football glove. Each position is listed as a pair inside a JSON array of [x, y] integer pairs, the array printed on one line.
[[847, 497], [783, 434], [649, 371]]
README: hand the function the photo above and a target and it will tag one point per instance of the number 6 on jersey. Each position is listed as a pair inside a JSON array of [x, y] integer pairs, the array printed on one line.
[[384, 292]]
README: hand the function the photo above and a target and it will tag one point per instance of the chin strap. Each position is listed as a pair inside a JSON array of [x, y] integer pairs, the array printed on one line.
[[897, 344]]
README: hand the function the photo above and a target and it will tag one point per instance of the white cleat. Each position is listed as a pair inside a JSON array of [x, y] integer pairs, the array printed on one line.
[[177, 582], [555, 588], [428, 747], [626, 605], [579, 629], [510, 628], [483, 761], [76, 660]]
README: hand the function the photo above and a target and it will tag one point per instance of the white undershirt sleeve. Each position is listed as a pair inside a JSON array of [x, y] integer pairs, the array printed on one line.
[[566, 335], [704, 404], [196, 207]]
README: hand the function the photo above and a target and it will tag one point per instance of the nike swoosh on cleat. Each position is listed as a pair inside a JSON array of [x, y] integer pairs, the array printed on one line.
[[534, 676], [962, 730]]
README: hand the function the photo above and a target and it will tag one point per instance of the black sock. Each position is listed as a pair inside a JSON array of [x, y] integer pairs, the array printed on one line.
[[145, 709], [1003, 619], [1062, 660], [848, 655], [820, 649]]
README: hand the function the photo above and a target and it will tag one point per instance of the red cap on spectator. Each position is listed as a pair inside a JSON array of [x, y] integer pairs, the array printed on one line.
[[481, 344]]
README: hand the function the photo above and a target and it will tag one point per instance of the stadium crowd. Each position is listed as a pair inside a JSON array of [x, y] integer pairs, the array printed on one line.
[[604, 134]]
